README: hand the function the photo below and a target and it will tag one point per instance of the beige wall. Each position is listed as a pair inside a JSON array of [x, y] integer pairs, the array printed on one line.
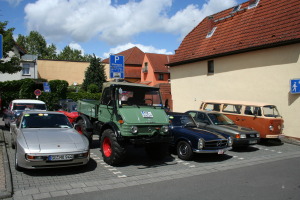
[[62, 70], [262, 75]]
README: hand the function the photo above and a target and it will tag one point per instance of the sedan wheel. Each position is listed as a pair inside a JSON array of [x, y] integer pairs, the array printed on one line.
[[184, 150]]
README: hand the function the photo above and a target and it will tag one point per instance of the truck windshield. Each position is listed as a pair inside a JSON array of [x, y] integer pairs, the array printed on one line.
[[270, 111], [138, 96]]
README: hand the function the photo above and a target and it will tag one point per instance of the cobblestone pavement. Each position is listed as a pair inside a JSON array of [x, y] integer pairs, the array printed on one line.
[[138, 169]]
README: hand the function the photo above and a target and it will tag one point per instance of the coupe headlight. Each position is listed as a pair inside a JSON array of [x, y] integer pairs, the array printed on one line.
[[165, 129], [34, 158], [271, 128], [134, 129], [201, 143], [229, 141]]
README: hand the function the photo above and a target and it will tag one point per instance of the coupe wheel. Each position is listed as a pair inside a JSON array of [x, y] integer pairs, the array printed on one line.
[[184, 150], [112, 151]]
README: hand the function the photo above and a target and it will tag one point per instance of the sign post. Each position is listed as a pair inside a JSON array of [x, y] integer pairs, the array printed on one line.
[[295, 86], [116, 64], [1, 46]]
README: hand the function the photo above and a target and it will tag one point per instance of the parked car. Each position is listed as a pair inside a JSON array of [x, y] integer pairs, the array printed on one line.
[[17, 106], [219, 122], [189, 139], [69, 108], [46, 139], [262, 117]]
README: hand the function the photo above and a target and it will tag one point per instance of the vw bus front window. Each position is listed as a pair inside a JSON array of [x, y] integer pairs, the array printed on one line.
[[270, 111]]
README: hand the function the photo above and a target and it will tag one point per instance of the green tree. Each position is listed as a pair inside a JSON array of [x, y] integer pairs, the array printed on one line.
[[8, 64], [36, 44], [94, 74], [73, 55]]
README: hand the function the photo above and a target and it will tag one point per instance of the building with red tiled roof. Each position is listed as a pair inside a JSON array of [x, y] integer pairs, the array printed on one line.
[[155, 72], [247, 52], [133, 60]]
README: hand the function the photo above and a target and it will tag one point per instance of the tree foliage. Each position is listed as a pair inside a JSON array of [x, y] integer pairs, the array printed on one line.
[[8, 64], [94, 74], [36, 44]]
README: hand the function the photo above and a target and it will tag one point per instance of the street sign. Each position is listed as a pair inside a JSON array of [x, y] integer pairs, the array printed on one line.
[[46, 87], [295, 86], [1, 46], [37, 92], [116, 64]]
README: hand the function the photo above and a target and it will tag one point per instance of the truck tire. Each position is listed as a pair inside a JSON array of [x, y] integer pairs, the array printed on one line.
[[81, 128], [157, 151], [184, 150], [112, 151]]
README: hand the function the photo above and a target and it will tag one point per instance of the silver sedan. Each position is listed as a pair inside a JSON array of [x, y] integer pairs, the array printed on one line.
[[46, 139]]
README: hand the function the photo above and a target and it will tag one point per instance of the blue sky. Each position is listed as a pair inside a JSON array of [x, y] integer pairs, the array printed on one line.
[[102, 27]]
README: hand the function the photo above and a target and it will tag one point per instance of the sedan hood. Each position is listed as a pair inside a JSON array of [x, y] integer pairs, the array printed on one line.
[[237, 129], [52, 140], [205, 134]]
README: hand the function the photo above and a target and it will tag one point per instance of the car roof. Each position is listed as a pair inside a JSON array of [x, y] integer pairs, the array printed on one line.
[[28, 101], [176, 113], [235, 102], [41, 112], [204, 111]]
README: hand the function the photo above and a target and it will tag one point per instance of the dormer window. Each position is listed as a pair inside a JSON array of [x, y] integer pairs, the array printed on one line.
[[209, 34], [253, 3], [236, 8]]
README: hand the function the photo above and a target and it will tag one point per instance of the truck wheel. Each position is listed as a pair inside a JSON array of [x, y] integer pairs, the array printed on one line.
[[81, 128], [157, 151], [184, 150], [112, 151]]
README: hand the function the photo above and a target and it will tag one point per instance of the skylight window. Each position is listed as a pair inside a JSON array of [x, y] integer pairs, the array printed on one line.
[[236, 8], [253, 3], [209, 34]]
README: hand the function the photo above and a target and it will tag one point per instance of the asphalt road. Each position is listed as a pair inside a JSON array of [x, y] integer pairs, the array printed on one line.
[[278, 180], [257, 172]]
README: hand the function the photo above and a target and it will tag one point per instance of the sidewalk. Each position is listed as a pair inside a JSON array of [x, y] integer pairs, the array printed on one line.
[[5, 174]]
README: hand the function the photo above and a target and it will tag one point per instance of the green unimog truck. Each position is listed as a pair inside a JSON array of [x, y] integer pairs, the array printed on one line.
[[127, 114]]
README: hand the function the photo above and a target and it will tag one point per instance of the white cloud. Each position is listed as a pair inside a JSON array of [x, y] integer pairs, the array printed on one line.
[[146, 49], [82, 20], [76, 46]]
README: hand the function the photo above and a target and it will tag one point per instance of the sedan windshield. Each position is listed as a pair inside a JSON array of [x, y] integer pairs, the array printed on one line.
[[220, 119], [29, 106], [45, 120], [182, 120]]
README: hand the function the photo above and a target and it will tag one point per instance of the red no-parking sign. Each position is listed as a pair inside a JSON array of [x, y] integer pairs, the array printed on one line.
[[37, 92]]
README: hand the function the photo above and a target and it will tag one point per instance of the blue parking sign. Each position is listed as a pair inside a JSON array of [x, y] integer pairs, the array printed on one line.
[[295, 86], [46, 87], [116, 63]]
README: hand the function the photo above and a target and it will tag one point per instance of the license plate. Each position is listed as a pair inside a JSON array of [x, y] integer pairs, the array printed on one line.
[[60, 157], [252, 142], [221, 151]]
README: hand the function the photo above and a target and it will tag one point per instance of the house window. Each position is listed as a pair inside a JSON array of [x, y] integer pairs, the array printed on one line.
[[145, 69], [209, 34], [161, 77], [210, 67], [253, 3], [26, 70]]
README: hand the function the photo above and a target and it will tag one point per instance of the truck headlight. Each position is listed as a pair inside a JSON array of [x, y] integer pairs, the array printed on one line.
[[165, 129], [200, 143], [229, 141], [271, 128], [134, 129]]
